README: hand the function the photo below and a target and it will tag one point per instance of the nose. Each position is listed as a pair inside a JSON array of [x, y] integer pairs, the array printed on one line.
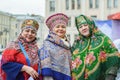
[[61, 28], [30, 33]]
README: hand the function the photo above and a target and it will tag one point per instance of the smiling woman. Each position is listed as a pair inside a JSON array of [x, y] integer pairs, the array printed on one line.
[[20, 58], [55, 52], [94, 55]]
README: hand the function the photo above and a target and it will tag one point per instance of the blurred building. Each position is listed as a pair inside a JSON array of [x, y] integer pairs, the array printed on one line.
[[10, 27], [7, 28], [97, 9]]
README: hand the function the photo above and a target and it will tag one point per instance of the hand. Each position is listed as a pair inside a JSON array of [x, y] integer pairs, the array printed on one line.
[[30, 71], [110, 77]]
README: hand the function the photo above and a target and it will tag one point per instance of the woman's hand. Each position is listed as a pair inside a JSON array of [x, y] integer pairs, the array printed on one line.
[[30, 71]]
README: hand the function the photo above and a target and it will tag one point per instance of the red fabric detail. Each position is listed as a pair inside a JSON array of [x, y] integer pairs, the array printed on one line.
[[12, 55], [115, 16]]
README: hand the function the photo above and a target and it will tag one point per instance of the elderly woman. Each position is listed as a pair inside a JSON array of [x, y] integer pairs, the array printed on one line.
[[55, 52], [20, 58], [94, 55]]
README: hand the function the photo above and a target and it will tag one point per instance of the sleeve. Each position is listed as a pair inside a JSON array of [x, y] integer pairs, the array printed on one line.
[[112, 62], [12, 69]]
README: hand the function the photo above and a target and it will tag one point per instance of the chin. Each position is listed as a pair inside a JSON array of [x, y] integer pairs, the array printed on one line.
[[29, 40]]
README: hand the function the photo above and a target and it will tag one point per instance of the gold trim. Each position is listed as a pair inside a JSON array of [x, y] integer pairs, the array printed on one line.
[[100, 43], [86, 47], [83, 69]]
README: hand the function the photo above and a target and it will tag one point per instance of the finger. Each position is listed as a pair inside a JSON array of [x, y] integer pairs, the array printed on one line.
[[34, 75]]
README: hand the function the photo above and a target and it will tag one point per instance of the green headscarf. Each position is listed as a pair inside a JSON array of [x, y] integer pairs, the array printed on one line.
[[81, 19]]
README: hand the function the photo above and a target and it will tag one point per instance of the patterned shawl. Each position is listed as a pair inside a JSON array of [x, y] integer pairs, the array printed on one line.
[[12, 53], [31, 48], [55, 58], [93, 55]]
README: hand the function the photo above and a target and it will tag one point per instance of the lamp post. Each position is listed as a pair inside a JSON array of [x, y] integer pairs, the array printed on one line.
[[6, 36], [1, 33]]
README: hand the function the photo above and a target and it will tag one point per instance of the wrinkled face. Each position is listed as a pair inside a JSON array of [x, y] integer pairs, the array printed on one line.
[[60, 30], [84, 30], [29, 34]]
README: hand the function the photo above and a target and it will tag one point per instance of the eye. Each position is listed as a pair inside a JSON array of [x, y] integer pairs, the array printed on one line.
[[33, 32], [63, 26], [26, 30], [80, 26], [57, 26]]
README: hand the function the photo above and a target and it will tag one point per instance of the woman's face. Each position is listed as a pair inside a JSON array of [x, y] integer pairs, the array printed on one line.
[[29, 34], [60, 30], [84, 30]]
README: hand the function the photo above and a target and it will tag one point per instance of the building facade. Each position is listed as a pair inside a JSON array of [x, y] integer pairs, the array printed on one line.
[[7, 28], [97, 9]]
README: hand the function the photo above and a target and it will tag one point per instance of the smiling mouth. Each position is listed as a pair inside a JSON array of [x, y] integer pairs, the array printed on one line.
[[84, 31], [29, 38]]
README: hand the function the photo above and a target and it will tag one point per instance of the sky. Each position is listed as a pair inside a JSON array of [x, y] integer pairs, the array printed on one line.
[[23, 6]]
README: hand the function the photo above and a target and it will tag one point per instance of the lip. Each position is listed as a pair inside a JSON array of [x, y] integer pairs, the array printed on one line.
[[28, 37], [84, 31], [61, 32]]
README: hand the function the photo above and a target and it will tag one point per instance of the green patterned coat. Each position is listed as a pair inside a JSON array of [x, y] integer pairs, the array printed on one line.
[[93, 56]]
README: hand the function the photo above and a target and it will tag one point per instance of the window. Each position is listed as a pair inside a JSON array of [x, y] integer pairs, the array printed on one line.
[[109, 3], [115, 3], [16, 33], [73, 4], [78, 4], [69, 22], [90, 3], [52, 6], [67, 4], [94, 17], [16, 26], [96, 3]]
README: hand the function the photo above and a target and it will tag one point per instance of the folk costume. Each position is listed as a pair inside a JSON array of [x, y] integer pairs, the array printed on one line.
[[13, 58], [93, 57], [55, 52]]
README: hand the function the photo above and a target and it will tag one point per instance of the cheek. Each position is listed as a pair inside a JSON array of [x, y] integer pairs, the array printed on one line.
[[54, 30], [64, 30], [23, 34], [80, 30], [34, 35]]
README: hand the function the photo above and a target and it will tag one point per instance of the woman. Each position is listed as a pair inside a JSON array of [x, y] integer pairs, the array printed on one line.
[[94, 55], [20, 58], [55, 52]]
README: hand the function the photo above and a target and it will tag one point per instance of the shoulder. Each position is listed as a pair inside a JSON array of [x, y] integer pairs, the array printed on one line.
[[48, 43], [11, 49], [13, 45]]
